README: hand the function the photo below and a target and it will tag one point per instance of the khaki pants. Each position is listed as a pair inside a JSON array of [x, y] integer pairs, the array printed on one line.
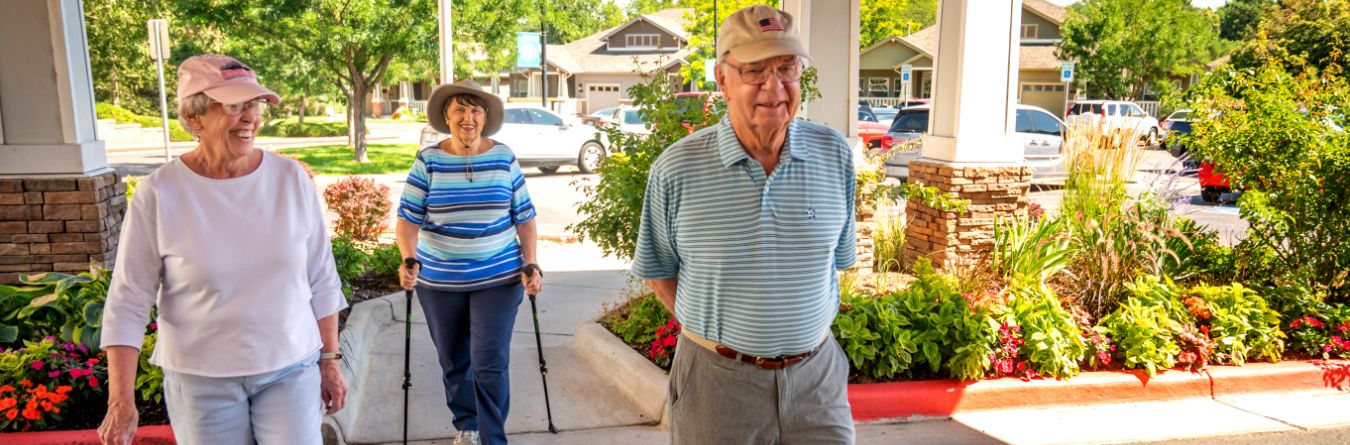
[[716, 400]]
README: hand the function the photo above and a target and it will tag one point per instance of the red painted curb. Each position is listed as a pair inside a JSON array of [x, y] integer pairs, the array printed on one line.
[[941, 398], [146, 435]]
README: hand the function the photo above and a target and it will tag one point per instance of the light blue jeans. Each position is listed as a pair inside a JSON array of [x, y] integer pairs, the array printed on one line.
[[279, 407]]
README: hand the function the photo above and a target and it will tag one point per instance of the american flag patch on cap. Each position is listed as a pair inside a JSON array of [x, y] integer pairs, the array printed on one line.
[[770, 24]]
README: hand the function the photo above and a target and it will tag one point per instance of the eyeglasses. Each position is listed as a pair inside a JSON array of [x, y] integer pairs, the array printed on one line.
[[255, 105], [758, 74]]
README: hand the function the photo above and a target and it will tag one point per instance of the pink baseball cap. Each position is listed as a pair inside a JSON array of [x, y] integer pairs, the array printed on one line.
[[222, 78]]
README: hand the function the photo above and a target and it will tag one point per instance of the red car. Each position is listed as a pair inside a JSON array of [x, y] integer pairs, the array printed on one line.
[[1213, 184], [873, 133]]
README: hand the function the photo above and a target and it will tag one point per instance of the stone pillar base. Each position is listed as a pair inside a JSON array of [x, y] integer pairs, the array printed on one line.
[[950, 239], [59, 224]]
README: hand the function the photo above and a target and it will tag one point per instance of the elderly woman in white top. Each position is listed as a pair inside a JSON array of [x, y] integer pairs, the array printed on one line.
[[228, 242]]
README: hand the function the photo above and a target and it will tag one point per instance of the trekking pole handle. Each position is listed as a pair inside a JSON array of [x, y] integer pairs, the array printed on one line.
[[409, 262]]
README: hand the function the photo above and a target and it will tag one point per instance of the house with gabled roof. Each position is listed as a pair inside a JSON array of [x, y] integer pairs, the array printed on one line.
[[1038, 69], [597, 70]]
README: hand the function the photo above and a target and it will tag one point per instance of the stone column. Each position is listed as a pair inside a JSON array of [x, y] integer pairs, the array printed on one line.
[[969, 149], [60, 204]]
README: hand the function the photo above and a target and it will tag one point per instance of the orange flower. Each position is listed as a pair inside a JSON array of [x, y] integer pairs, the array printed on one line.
[[26, 382], [12, 413], [6, 388], [32, 414], [7, 403], [63, 389]]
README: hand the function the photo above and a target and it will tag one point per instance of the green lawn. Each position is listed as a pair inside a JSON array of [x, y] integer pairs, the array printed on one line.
[[337, 159]]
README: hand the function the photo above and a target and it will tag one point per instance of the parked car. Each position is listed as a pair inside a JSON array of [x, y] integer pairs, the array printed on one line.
[[1040, 132], [1118, 115], [598, 116], [542, 139], [885, 114], [626, 118], [873, 133], [1175, 128]]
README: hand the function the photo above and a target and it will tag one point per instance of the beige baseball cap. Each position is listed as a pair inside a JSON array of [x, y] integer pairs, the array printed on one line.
[[757, 33]]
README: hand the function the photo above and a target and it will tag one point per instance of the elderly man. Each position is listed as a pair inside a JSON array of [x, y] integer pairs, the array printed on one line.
[[743, 227]]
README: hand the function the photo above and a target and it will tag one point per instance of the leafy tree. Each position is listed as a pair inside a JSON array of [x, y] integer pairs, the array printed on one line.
[[699, 24], [1124, 45], [124, 73], [1239, 19], [1299, 32], [639, 7], [351, 42], [881, 19]]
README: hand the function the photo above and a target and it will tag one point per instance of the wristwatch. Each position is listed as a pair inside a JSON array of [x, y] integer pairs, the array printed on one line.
[[330, 356]]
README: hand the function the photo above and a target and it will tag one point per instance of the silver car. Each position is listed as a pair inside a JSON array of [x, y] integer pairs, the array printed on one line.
[[542, 139], [1040, 132]]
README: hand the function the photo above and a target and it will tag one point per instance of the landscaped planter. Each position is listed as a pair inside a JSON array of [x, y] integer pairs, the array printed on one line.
[[943, 398], [146, 435]]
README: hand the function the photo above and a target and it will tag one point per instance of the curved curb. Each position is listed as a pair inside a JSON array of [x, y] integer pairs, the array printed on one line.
[[146, 435], [636, 378], [943, 398]]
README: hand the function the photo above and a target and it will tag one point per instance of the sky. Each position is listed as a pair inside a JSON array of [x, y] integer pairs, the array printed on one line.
[[1200, 3]]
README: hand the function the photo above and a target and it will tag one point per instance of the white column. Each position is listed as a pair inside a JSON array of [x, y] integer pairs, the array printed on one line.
[[974, 85], [47, 92], [446, 43], [829, 29]]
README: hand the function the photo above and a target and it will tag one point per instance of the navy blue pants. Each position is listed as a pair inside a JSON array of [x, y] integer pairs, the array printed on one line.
[[472, 334]]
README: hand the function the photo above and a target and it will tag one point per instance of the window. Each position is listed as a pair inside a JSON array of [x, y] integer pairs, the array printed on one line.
[[880, 85], [1046, 124], [515, 116], [541, 117], [1135, 111], [1029, 31], [1024, 124], [651, 41], [910, 122]]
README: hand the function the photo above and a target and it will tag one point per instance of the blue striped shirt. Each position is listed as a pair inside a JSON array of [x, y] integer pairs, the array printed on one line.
[[755, 255], [468, 219]]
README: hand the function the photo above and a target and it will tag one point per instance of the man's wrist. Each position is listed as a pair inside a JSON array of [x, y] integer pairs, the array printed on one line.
[[335, 355]]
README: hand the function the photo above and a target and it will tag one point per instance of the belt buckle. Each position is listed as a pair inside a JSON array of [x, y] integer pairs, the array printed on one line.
[[770, 363]]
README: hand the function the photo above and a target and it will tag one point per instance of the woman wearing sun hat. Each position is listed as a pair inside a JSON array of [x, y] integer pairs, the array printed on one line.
[[228, 243], [468, 220]]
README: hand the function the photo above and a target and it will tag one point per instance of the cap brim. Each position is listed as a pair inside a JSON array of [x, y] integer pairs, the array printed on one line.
[[234, 93], [764, 49], [436, 108]]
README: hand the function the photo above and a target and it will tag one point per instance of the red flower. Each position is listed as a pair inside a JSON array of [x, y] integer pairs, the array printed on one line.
[[54, 374], [93, 382], [39, 364], [91, 362], [12, 413]]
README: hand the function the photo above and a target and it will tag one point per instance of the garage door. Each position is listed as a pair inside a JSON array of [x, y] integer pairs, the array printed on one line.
[[599, 96], [1049, 96]]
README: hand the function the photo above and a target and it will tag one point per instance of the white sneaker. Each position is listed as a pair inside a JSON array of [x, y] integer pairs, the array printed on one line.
[[466, 438]]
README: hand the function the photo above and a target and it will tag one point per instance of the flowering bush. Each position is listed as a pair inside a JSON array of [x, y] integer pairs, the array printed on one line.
[[1101, 348], [1324, 335], [30, 405], [663, 347], [1239, 321], [1005, 359], [1048, 337], [362, 207]]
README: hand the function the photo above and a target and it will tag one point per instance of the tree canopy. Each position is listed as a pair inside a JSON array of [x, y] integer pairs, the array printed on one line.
[[880, 19], [1239, 19], [1314, 33], [1122, 46]]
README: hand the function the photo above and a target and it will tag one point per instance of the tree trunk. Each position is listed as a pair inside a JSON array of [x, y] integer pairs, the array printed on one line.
[[360, 90], [302, 110]]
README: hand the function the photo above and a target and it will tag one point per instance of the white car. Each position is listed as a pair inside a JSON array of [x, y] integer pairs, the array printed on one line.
[[627, 118], [1039, 131], [542, 139], [1119, 115]]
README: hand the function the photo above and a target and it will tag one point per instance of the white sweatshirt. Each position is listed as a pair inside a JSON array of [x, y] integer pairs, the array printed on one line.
[[241, 270]]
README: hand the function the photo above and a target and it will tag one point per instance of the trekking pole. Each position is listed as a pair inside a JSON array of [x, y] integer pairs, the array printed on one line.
[[543, 367], [408, 263]]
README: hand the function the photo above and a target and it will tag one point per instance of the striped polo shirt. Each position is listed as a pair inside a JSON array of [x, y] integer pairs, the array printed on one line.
[[468, 219], [755, 255]]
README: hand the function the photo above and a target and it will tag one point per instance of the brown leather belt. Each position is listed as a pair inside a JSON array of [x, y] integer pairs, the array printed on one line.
[[769, 363]]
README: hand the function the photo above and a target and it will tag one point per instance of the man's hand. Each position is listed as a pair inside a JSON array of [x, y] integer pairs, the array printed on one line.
[[119, 424], [407, 276], [333, 386]]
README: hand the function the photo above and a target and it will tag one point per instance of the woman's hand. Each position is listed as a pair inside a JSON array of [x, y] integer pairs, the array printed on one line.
[[333, 385], [533, 279], [119, 424], [407, 277]]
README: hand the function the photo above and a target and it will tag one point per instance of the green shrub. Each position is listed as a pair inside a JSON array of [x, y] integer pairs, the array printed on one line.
[[929, 329], [150, 379], [132, 182], [385, 259], [636, 320], [305, 130], [1146, 324], [362, 206], [1242, 326], [123, 116], [67, 307], [352, 262], [1278, 133], [1198, 254], [1052, 342]]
